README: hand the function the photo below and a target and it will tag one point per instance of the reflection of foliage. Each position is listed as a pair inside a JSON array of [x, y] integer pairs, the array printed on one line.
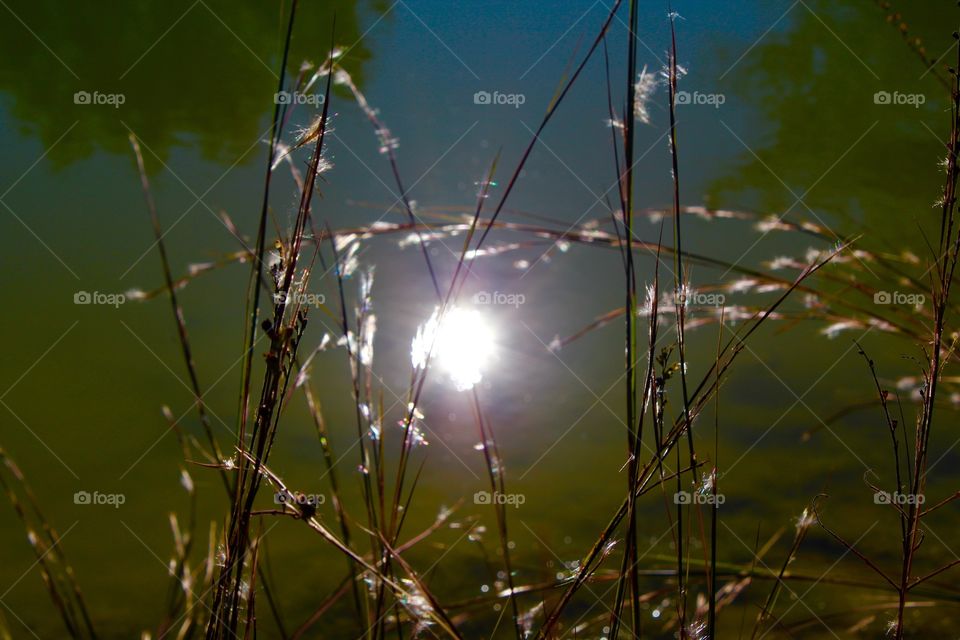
[[815, 99], [201, 79]]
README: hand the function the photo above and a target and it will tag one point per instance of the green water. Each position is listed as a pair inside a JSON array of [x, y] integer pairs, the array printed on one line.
[[798, 131]]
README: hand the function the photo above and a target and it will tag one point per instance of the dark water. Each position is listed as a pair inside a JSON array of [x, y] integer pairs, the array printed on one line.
[[783, 119]]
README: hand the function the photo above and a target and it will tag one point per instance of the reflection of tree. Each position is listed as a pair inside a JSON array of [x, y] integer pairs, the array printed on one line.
[[814, 99], [199, 81]]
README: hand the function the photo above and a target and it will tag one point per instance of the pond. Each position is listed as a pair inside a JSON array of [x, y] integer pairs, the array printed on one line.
[[828, 115]]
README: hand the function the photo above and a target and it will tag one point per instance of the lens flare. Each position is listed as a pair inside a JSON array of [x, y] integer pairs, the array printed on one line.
[[462, 342]]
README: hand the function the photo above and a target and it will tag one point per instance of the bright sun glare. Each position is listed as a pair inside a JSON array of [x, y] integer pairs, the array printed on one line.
[[462, 345]]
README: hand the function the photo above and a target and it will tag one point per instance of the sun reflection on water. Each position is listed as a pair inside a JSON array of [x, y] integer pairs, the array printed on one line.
[[462, 342]]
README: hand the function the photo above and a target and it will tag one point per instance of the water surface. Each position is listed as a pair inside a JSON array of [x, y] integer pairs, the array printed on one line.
[[799, 132]]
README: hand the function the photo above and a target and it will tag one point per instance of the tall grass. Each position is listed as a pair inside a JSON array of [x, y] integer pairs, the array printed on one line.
[[910, 464], [232, 589]]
